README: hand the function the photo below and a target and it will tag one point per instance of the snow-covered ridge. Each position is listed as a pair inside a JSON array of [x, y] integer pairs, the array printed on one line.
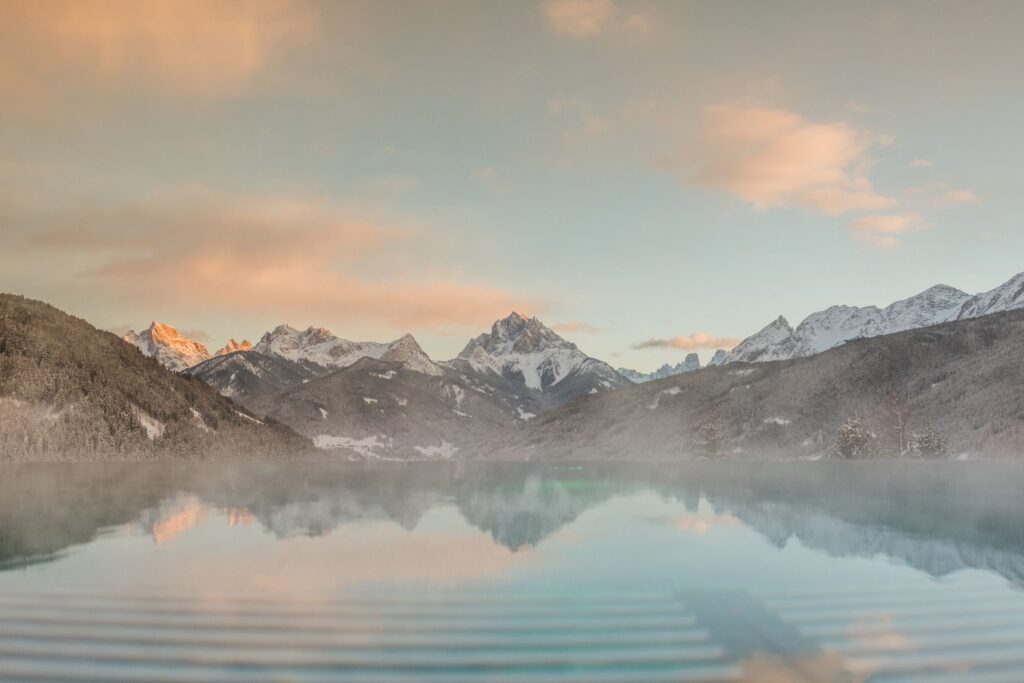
[[523, 348], [318, 345], [838, 324], [164, 343], [691, 363]]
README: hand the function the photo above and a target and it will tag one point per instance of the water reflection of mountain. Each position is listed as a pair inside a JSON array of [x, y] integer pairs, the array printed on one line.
[[937, 517]]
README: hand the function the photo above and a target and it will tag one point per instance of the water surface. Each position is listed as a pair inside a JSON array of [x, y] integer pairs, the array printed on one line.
[[700, 571]]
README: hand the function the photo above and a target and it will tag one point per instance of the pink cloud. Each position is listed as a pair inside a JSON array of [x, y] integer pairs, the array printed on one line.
[[586, 19], [575, 327], [693, 342], [295, 258], [580, 19], [775, 158], [884, 231], [190, 47], [959, 197]]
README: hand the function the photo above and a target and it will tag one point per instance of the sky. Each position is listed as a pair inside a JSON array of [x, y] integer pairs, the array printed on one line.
[[648, 178]]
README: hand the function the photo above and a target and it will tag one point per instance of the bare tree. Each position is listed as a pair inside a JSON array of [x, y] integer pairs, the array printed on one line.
[[896, 407]]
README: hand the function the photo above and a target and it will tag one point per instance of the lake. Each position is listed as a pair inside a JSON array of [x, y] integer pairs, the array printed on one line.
[[699, 571]]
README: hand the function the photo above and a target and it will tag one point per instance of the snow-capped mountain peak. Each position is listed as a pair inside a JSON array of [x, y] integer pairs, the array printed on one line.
[[167, 345], [406, 350], [1006, 297], [525, 350], [838, 324], [320, 346], [518, 334], [773, 342]]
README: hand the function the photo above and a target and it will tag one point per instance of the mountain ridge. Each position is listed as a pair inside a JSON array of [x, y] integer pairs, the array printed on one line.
[[839, 324]]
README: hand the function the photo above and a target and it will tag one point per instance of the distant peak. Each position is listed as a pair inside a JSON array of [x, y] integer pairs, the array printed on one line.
[[163, 328], [233, 346]]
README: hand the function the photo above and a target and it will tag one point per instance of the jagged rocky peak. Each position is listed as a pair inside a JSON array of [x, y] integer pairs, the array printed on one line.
[[718, 358], [518, 334], [164, 343], [232, 346], [691, 363], [407, 351], [321, 347], [525, 351]]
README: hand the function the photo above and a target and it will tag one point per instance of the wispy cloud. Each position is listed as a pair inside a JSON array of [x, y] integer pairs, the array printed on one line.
[[296, 258], [771, 158], [390, 184], [189, 47], [575, 327], [586, 19], [884, 231], [954, 197], [693, 342], [585, 121]]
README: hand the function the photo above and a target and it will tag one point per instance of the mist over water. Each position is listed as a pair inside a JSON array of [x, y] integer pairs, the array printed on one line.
[[706, 569]]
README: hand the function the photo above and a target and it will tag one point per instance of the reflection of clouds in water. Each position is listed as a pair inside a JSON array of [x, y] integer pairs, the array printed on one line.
[[879, 632], [821, 667], [443, 552], [701, 524], [239, 517], [697, 523]]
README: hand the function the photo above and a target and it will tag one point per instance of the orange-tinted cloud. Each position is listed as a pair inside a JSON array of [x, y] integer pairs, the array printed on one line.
[[585, 19], [693, 342], [775, 158], [575, 327], [300, 259], [883, 231], [192, 47], [580, 18], [959, 197]]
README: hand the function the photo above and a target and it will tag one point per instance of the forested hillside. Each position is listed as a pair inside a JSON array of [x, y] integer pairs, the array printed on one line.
[[71, 391]]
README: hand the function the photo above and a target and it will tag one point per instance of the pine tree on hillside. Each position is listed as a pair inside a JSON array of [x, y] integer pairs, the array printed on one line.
[[854, 440], [930, 442]]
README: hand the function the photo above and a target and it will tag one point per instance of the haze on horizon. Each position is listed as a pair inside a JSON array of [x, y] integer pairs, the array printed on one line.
[[626, 171]]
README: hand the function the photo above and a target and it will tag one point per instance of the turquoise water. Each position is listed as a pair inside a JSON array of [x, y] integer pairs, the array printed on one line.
[[701, 571]]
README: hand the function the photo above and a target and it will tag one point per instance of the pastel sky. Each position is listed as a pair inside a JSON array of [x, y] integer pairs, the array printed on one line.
[[649, 178]]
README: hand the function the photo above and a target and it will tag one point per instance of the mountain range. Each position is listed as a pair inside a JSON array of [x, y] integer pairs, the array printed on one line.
[[838, 324], [691, 363], [519, 390], [962, 378], [390, 400]]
